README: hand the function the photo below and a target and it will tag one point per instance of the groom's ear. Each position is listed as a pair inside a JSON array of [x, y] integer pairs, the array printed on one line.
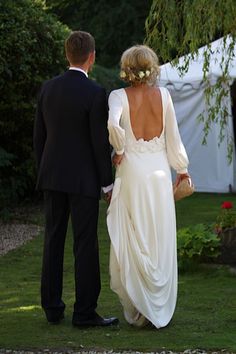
[[91, 60], [92, 57]]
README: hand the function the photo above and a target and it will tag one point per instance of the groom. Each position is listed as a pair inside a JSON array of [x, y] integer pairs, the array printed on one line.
[[73, 158]]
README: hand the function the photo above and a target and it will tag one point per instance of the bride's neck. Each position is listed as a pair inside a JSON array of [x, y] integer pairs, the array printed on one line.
[[140, 87]]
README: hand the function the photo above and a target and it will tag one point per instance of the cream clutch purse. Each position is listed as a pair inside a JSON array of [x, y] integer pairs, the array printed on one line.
[[184, 189]]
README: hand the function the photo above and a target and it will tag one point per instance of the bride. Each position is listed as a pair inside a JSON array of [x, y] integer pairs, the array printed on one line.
[[141, 217]]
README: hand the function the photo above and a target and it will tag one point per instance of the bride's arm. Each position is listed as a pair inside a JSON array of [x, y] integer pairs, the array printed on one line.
[[116, 133], [176, 152]]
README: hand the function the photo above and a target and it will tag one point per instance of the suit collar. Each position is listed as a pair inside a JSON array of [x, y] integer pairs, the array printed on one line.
[[78, 69]]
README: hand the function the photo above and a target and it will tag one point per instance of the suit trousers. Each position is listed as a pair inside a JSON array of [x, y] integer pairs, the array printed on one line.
[[84, 217]]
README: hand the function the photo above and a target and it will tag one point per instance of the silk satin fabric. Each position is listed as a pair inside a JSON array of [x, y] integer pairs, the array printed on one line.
[[141, 216]]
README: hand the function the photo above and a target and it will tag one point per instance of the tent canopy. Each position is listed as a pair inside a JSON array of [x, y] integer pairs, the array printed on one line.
[[194, 75], [209, 166]]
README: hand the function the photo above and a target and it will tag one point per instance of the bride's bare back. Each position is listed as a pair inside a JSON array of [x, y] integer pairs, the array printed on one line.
[[146, 113]]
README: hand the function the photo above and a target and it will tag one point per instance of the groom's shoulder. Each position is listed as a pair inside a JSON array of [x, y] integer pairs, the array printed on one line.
[[51, 81], [95, 85]]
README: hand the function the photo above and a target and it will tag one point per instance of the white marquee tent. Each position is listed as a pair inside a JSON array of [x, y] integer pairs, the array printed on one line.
[[209, 166]]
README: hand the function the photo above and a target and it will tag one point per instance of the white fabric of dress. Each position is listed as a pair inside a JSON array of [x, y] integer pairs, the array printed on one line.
[[141, 216]]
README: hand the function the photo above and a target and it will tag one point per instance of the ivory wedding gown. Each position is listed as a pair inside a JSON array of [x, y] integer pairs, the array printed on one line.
[[141, 216]]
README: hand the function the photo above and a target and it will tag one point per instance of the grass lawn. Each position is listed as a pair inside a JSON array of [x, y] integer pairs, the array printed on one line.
[[205, 316]]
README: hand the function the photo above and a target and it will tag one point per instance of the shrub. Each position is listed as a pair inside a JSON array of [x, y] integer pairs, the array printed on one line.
[[116, 25], [195, 244], [31, 51], [5, 192], [108, 78]]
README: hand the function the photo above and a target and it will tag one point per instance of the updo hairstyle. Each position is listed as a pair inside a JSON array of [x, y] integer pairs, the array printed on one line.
[[139, 65]]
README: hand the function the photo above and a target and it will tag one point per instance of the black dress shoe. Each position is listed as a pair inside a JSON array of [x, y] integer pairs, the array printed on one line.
[[95, 321], [55, 319]]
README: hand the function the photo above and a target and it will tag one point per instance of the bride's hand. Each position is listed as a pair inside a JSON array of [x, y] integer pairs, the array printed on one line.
[[180, 177], [116, 160], [107, 197]]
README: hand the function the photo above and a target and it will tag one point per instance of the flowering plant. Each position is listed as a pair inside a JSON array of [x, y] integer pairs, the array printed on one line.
[[226, 218]]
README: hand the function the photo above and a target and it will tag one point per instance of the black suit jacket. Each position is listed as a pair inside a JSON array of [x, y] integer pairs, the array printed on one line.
[[71, 137]]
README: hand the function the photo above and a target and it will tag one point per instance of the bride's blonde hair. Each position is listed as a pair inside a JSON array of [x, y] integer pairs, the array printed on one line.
[[139, 64]]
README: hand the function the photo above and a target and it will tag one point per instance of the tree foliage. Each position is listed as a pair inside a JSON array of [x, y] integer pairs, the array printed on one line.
[[178, 27], [31, 51], [106, 77], [115, 25]]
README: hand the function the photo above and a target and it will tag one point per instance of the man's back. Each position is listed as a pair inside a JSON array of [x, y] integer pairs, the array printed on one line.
[[70, 138], [73, 157]]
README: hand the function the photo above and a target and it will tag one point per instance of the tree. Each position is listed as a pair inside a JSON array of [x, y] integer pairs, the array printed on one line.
[[31, 51], [116, 25], [178, 27]]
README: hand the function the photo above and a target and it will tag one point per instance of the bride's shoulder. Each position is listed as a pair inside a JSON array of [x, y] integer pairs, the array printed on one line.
[[165, 92], [116, 94]]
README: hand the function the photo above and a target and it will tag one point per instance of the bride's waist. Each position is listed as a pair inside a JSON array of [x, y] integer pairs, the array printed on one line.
[[143, 146]]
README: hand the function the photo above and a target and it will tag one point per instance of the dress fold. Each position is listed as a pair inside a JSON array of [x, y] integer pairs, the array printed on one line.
[[141, 222]]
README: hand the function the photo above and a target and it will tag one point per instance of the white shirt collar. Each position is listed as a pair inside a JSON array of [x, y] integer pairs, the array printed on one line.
[[78, 69]]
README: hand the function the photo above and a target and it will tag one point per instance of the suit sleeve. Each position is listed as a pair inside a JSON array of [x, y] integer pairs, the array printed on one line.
[[99, 137], [40, 133]]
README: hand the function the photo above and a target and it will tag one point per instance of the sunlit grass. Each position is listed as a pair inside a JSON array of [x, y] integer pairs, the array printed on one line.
[[21, 308], [205, 315]]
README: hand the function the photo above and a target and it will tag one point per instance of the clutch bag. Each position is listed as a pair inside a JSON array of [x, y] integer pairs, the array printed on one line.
[[184, 189]]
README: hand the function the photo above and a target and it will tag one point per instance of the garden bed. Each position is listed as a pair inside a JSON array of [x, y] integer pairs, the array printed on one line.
[[15, 234]]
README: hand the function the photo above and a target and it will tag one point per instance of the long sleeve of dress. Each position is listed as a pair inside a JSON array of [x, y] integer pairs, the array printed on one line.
[[116, 133], [176, 152]]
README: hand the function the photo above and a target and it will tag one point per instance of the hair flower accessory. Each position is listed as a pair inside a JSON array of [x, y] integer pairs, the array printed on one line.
[[123, 74], [147, 72], [141, 74]]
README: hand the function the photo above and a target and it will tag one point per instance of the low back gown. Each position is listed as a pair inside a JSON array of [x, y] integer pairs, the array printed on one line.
[[141, 217]]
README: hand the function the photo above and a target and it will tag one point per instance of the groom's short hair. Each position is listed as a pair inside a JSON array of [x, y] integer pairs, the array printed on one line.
[[78, 46]]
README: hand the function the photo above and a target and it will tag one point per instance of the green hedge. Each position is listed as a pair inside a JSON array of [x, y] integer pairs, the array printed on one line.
[[31, 51], [108, 78], [116, 25]]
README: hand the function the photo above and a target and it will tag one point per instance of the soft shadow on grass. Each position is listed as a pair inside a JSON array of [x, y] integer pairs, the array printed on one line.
[[205, 316]]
